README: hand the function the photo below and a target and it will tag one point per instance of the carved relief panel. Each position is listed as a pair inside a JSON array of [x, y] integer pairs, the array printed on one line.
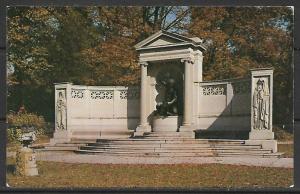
[[61, 110], [261, 103]]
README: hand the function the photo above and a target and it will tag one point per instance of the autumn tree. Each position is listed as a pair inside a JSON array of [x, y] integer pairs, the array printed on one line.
[[249, 37]]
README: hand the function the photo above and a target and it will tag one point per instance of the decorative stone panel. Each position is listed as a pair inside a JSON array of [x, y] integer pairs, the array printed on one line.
[[76, 93], [214, 90], [261, 104], [102, 94], [129, 94]]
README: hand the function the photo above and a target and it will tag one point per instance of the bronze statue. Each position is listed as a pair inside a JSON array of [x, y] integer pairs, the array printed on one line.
[[169, 105]]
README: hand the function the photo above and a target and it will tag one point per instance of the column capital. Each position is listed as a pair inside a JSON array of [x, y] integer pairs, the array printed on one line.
[[143, 63], [187, 59]]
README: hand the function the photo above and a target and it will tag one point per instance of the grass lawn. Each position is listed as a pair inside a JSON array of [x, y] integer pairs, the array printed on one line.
[[55, 174], [288, 150]]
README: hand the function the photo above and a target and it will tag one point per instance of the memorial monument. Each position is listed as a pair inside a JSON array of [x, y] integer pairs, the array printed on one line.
[[172, 97]]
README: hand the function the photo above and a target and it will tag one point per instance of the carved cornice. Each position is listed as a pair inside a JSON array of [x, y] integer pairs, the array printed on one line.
[[143, 63], [187, 59]]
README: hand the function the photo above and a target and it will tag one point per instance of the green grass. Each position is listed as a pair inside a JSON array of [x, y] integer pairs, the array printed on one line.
[[287, 149], [55, 174]]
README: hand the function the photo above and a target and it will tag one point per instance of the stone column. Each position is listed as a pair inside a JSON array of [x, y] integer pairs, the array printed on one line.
[[144, 125], [187, 108]]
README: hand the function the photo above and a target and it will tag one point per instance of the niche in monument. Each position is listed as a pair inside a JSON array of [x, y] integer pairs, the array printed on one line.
[[169, 100]]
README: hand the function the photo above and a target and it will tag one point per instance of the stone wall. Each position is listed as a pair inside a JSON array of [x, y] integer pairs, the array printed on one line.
[[97, 111], [224, 105]]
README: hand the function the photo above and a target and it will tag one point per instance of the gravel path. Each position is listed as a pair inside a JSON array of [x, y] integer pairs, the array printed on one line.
[[104, 159]]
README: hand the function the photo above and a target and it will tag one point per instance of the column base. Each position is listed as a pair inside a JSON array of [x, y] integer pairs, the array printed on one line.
[[60, 137], [261, 135], [141, 130], [187, 128]]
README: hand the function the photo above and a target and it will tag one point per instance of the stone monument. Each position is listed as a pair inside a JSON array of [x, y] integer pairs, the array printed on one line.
[[261, 109], [171, 98]]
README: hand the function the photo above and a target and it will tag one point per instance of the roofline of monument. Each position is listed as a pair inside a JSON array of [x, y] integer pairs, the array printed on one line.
[[174, 45]]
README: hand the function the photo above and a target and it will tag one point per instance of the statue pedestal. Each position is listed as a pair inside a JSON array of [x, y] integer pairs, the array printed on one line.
[[61, 137], [169, 123], [261, 135], [26, 162]]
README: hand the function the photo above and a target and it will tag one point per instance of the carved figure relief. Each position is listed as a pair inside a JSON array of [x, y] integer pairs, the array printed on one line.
[[261, 105], [61, 110]]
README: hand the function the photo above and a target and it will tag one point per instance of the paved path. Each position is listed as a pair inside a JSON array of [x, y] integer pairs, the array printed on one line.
[[102, 159]]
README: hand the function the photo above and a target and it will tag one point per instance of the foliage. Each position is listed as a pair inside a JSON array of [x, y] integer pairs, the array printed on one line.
[[18, 123], [163, 175], [249, 37], [13, 135], [282, 135]]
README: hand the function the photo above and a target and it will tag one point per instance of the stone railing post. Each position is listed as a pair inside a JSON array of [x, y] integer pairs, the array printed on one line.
[[62, 132], [261, 104]]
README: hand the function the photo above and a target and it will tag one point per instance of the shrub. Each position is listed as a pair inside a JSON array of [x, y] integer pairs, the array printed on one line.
[[13, 134], [19, 123], [282, 135]]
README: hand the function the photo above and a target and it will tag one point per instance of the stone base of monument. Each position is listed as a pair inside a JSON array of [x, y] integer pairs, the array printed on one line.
[[169, 123], [142, 130], [60, 137], [261, 135], [265, 144], [26, 162]]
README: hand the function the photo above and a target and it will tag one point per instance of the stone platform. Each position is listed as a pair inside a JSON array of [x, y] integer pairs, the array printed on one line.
[[166, 144]]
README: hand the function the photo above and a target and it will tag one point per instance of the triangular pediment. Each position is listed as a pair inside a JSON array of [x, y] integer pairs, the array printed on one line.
[[162, 38]]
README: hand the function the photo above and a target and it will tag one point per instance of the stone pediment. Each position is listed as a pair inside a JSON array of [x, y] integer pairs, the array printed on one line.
[[165, 39]]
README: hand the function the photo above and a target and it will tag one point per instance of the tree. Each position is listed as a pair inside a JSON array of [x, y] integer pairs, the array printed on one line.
[[245, 38]]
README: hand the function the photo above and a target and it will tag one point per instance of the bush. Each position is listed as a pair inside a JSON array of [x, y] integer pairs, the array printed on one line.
[[13, 134], [25, 122], [282, 135]]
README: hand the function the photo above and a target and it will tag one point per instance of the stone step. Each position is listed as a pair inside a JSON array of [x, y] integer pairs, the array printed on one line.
[[78, 140], [163, 154], [265, 155], [57, 149], [66, 145], [157, 141], [174, 146], [178, 150]]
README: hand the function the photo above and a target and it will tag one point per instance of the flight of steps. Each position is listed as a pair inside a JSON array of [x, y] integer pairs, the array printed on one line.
[[174, 144]]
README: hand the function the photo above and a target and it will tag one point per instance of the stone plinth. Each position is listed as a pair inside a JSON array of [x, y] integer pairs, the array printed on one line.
[[26, 162], [60, 137], [169, 123], [265, 144], [261, 134], [261, 104]]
